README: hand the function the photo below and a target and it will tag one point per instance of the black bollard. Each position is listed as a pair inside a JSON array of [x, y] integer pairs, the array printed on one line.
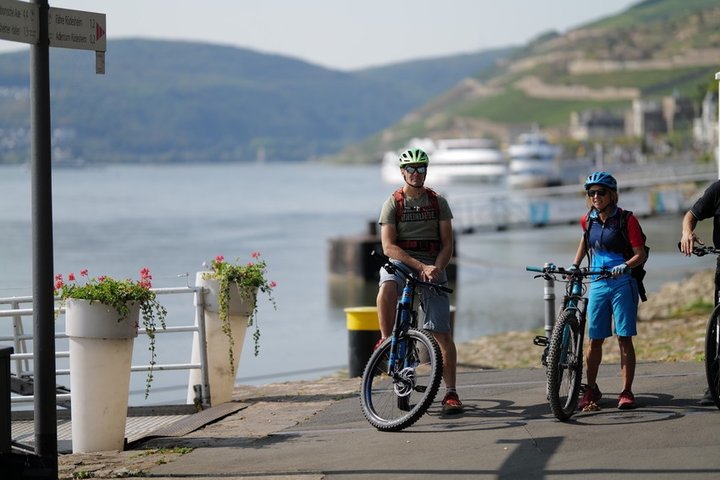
[[363, 333]]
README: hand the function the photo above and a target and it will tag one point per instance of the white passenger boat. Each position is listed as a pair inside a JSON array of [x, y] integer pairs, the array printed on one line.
[[533, 162], [454, 160]]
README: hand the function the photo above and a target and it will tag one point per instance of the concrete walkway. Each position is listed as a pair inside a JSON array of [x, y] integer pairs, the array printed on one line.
[[505, 432]]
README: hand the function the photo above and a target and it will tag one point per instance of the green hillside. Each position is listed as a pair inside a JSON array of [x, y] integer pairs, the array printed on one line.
[[653, 49]]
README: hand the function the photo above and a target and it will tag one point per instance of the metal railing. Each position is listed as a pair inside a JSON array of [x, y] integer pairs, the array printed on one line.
[[21, 360], [505, 208]]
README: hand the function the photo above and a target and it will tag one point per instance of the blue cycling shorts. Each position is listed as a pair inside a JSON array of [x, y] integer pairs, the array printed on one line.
[[434, 306], [613, 299]]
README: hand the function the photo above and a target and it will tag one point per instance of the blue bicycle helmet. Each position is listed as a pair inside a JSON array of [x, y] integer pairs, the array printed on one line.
[[601, 178]]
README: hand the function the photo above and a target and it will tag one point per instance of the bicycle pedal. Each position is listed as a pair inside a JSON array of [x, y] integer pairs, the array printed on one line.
[[540, 341]]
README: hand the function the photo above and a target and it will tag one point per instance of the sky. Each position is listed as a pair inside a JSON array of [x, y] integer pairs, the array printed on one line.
[[341, 34]]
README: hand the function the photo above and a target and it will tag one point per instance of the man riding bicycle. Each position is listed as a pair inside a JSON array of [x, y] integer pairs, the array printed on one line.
[[416, 230]]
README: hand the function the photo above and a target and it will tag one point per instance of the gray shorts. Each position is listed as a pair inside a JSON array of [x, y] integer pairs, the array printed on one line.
[[434, 311]]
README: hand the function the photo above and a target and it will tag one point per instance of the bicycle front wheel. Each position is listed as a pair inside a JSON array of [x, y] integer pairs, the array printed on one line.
[[393, 397], [564, 369], [712, 350]]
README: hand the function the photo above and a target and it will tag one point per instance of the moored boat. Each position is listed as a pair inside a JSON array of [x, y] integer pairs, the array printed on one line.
[[454, 160], [533, 162]]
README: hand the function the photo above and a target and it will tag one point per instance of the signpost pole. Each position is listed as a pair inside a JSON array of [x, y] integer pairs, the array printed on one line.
[[42, 247]]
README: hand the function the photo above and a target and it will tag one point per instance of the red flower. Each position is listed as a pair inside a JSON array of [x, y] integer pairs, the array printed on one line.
[[219, 259], [84, 272], [71, 277], [255, 254]]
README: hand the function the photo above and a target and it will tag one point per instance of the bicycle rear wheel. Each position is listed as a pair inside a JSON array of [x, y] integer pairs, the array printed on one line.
[[394, 398], [712, 360], [564, 369]]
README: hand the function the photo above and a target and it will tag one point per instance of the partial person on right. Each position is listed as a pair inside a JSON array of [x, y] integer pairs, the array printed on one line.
[[707, 206]]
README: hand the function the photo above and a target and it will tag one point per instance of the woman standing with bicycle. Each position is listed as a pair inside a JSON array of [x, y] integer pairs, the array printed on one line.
[[613, 300], [416, 230]]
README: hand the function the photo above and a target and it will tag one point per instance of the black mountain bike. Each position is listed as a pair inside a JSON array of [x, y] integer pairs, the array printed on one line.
[[564, 357], [403, 374], [712, 337]]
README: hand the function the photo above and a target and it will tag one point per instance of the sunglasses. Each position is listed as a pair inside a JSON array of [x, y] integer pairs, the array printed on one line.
[[600, 193], [416, 169]]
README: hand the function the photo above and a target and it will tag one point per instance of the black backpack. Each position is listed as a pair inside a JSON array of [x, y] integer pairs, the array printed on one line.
[[638, 272]]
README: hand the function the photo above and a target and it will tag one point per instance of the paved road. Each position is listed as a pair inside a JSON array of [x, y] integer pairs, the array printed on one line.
[[505, 432]]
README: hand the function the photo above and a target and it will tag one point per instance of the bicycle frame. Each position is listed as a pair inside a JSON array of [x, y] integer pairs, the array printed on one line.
[[574, 300], [405, 318]]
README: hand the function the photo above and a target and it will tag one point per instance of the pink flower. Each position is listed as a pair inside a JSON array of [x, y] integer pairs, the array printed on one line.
[[273, 284], [219, 259], [58, 284], [255, 254], [145, 278], [84, 272], [71, 277], [101, 278], [58, 277]]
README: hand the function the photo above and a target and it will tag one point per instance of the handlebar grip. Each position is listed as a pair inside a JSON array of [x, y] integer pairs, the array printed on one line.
[[534, 269], [380, 255]]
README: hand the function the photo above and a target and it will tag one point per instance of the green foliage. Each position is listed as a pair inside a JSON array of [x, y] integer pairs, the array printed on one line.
[[120, 295], [246, 279], [652, 11], [699, 306]]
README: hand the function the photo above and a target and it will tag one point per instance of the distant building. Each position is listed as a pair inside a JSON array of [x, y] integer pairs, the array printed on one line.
[[705, 126], [678, 112], [596, 125], [645, 119]]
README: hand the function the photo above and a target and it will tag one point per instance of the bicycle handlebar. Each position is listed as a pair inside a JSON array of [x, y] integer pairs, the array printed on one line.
[[702, 250], [551, 269], [406, 272]]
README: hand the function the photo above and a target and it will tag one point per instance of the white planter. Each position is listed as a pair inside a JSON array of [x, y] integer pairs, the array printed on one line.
[[101, 347], [221, 374], [239, 305]]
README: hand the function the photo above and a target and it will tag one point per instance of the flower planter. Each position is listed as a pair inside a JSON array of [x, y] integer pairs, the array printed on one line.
[[101, 348], [221, 373]]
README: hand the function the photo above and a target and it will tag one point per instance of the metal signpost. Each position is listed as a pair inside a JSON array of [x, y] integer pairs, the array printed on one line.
[[42, 27]]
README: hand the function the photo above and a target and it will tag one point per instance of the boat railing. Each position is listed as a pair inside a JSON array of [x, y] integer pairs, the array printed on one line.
[[19, 309]]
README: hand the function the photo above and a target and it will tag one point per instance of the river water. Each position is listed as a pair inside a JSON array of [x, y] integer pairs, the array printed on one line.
[[116, 220]]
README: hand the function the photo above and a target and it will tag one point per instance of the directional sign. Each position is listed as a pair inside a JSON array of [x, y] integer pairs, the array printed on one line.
[[77, 29], [19, 21]]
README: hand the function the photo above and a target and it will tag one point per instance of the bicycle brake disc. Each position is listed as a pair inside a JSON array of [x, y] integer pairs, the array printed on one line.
[[405, 382]]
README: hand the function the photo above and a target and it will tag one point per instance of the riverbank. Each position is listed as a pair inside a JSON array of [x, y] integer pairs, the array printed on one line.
[[671, 329]]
